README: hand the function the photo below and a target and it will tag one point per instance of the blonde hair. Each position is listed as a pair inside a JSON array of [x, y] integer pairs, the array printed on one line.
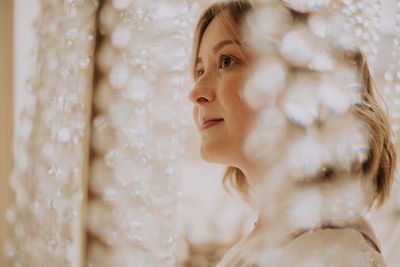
[[379, 168]]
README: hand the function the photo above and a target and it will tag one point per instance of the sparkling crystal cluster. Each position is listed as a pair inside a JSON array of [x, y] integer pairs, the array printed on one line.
[[306, 87], [363, 20], [140, 114], [50, 145], [392, 97], [392, 75]]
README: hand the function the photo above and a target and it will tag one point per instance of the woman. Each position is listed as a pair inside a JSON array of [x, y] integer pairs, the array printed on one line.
[[298, 161]]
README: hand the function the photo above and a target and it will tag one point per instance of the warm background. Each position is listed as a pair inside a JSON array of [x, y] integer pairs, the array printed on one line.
[[209, 219], [6, 109]]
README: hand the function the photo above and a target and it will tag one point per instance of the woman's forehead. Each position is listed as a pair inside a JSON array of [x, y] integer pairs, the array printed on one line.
[[219, 33], [216, 32]]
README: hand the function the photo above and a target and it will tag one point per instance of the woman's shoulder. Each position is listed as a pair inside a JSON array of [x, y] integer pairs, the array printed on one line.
[[320, 247], [332, 246]]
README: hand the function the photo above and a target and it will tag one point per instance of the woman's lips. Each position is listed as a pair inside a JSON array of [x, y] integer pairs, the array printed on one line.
[[210, 123]]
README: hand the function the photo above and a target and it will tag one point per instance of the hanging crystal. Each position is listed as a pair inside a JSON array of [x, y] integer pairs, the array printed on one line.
[[49, 183], [141, 114]]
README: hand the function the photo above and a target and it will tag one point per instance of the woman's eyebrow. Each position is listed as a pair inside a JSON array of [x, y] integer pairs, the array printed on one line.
[[221, 44], [218, 47]]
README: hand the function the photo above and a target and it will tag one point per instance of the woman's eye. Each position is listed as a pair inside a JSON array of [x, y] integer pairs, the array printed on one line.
[[226, 62], [198, 73]]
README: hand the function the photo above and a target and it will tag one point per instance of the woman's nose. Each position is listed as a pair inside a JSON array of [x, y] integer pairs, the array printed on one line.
[[201, 93]]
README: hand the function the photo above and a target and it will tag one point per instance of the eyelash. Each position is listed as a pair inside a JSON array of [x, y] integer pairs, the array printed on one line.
[[200, 72], [223, 57]]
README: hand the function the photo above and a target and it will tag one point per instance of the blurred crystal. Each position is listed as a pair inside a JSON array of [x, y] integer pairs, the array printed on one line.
[[334, 98], [121, 4], [301, 102], [270, 132], [137, 88], [265, 25], [305, 212], [121, 36], [63, 135], [319, 24], [348, 41], [296, 49], [10, 215], [263, 87], [104, 97], [306, 6], [131, 169], [321, 62], [119, 76], [26, 128], [307, 156], [347, 140], [105, 58], [100, 177], [103, 136], [127, 119]]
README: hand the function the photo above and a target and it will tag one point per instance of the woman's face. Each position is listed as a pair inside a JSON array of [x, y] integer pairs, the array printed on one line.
[[221, 115]]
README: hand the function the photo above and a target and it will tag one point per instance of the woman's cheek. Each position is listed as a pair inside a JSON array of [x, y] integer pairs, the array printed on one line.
[[234, 83]]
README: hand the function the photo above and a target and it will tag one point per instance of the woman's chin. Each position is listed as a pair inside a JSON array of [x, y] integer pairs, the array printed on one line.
[[207, 155], [213, 155]]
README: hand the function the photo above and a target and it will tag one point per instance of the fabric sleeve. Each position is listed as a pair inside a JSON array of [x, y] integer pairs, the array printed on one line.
[[331, 247]]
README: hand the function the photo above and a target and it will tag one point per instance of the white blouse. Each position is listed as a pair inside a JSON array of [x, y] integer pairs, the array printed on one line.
[[320, 247]]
